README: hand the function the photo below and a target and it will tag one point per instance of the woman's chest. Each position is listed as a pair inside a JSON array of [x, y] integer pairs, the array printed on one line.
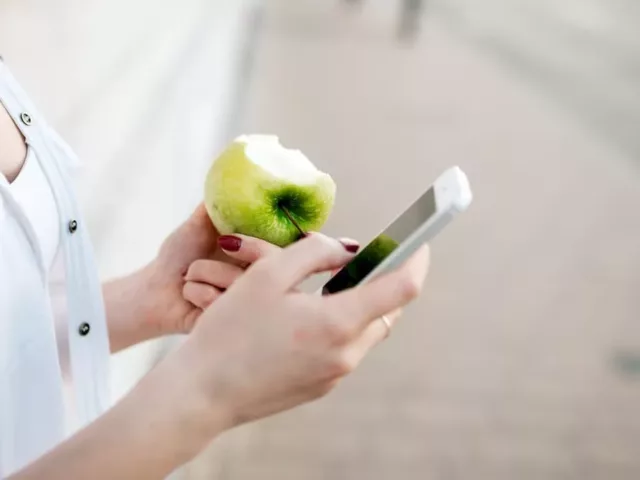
[[33, 194], [12, 146]]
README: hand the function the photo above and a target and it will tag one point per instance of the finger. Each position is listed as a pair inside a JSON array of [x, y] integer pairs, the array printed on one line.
[[200, 216], [190, 320], [200, 294], [244, 249], [385, 294], [374, 333], [315, 253], [352, 245], [214, 273], [199, 223]]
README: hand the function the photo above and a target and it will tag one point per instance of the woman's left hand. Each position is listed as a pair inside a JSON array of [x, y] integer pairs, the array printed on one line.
[[207, 279], [166, 297], [193, 268]]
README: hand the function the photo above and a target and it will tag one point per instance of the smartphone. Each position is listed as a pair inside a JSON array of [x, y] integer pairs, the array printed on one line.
[[449, 195]]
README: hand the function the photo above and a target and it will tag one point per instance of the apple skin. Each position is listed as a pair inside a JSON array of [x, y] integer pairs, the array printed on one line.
[[242, 197]]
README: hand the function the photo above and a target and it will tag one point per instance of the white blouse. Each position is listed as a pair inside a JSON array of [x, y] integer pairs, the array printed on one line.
[[54, 348], [40, 209]]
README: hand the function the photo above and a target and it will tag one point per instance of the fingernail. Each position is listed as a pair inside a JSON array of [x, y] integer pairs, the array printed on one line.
[[230, 243], [350, 246]]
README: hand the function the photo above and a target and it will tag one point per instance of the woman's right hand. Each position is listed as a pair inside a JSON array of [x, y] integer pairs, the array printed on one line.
[[264, 346], [261, 348]]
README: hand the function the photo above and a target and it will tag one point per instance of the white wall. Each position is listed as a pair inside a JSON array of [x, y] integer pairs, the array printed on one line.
[[142, 89]]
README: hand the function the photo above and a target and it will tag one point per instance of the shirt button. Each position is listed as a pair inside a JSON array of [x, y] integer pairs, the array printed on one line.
[[26, 118], [84, 329], [73, 226]]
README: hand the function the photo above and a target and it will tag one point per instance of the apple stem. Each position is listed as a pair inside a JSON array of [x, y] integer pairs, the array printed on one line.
[[286, 212]]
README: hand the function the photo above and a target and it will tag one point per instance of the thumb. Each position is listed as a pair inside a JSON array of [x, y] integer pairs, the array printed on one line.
[[198, 229], [200, 217]]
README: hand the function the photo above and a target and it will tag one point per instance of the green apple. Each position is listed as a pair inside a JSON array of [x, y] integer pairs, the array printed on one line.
[[259, 188]]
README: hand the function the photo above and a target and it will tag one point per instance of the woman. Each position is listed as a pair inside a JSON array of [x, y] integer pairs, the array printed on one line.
[[260, 348]]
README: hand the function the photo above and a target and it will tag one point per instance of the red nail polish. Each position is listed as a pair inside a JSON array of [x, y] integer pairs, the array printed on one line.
[[230, 243], [350, 247]]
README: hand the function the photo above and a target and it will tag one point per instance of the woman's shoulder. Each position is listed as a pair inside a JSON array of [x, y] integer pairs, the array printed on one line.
[[22, 105]]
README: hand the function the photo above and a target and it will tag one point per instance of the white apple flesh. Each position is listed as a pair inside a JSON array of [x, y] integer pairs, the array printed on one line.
[[259, 188]]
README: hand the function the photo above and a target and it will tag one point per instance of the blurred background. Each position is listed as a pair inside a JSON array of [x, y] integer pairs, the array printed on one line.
[[522, 361]]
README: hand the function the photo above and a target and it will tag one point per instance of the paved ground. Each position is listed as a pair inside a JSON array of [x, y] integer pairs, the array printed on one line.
[[582, 53], [522, 361]]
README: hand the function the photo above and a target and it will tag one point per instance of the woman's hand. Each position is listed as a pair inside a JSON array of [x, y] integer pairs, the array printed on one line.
[[207, 279], [155, 301], [261, 348], [264, 346], [193, 267]]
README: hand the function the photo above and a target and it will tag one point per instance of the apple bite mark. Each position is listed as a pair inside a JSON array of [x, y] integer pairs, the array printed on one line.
[[256, 187]]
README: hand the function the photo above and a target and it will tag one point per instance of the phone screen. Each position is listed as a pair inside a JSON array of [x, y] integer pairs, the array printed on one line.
[[384, 244]]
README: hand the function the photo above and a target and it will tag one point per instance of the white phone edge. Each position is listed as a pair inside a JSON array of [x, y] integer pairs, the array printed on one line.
[[453, 196]]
